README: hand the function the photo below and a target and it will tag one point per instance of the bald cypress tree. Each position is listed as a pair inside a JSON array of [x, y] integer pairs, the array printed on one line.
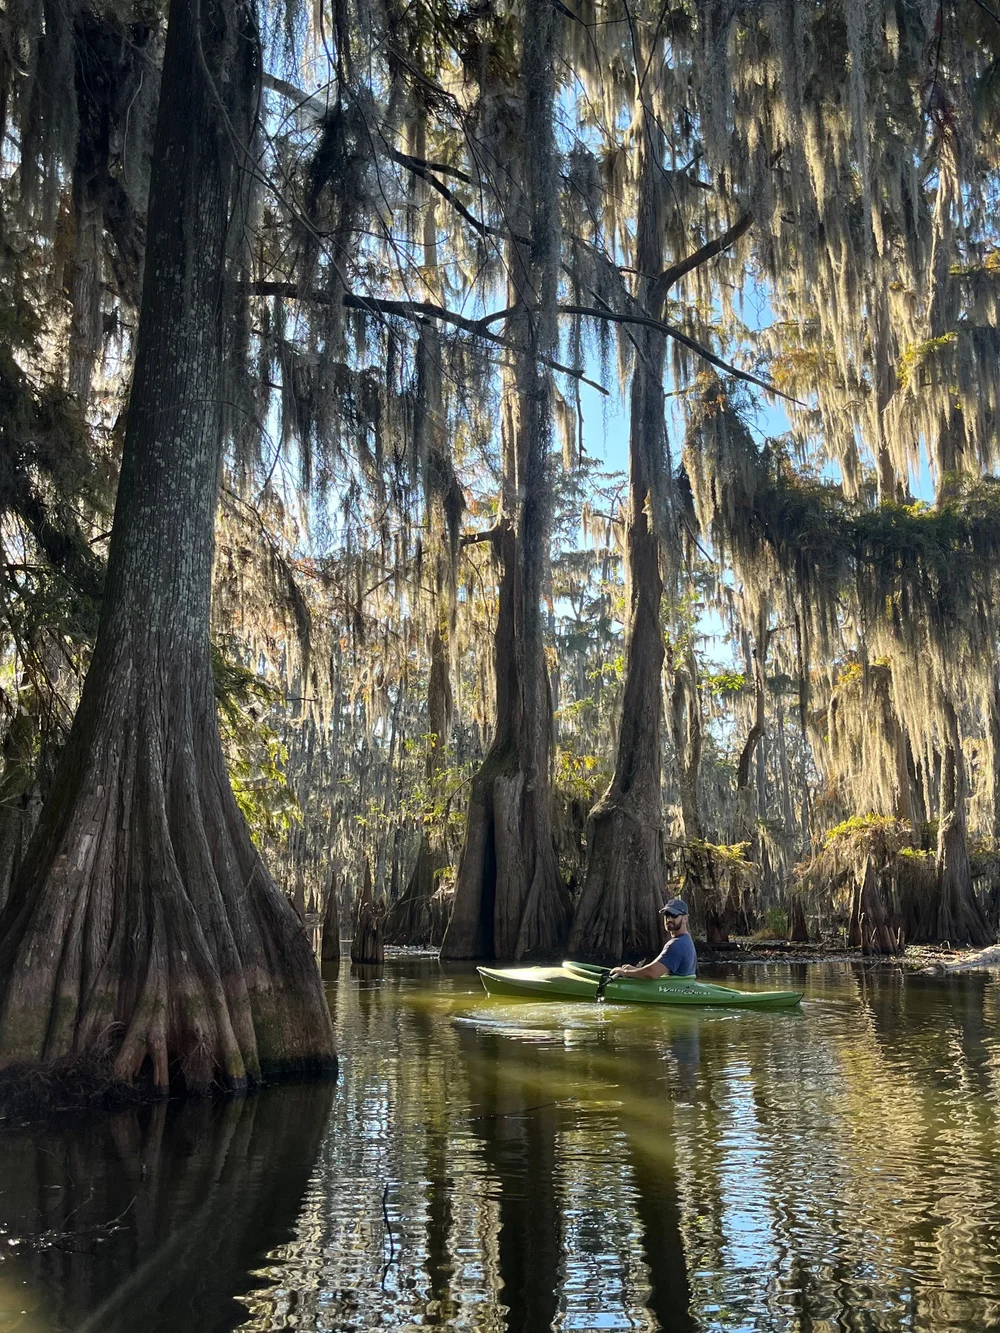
[[143, 923], [509, 899]]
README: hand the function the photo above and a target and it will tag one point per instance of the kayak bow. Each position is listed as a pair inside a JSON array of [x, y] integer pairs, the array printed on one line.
[[581, 981]]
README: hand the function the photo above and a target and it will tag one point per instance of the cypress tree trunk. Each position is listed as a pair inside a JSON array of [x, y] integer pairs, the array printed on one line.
[[143, 917], [366, 944], [509, 900], [756, 657], [20, 797], [686, 733], [617, 914], [872, 928], [330, 936], [953, 913], [798, 928], [416, 918], [701, 885]]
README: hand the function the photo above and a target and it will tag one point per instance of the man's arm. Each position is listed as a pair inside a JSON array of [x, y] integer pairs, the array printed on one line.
[[648, 971]]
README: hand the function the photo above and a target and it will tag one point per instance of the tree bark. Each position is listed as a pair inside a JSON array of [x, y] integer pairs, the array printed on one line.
[[995, 753], [20, 797], [701, 885], [330, 938], [509, 899], [798, 929], [756, 655], [872, 929], [954, 913], [366, 944], [420, 916], [143, 918], [686, 733], [617, 916], [739, 911]]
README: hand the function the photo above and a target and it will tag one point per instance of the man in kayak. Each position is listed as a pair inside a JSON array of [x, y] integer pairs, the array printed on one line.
[[677, 957]]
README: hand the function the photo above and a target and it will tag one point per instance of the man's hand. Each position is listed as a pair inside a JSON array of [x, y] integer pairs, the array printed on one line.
[[617, 972]]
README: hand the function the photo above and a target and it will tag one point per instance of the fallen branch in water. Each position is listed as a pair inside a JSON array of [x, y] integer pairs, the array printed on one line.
[[388, 1227], [984, 960]]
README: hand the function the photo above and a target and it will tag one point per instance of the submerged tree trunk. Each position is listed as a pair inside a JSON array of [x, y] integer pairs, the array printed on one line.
[[617, 915], [509, 899], [366, 943], [143, 918], [330, 935]]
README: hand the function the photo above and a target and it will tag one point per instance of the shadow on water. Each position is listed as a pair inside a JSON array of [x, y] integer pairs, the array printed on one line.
[[152, 1219]]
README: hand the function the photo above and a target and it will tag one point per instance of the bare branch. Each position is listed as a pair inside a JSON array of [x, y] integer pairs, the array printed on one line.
[[647, 322], [487, 535], [420, 164], [419, 312], [422, 170], [703, 254], [424, 310]]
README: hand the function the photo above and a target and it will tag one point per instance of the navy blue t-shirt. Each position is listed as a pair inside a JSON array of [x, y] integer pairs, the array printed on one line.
[[678, 956]]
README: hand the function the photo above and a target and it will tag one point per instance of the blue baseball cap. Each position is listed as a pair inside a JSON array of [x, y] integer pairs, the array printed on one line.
[[674, 907]]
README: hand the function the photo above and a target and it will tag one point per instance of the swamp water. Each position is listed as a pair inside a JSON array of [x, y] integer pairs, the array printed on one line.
[[511, 1166]]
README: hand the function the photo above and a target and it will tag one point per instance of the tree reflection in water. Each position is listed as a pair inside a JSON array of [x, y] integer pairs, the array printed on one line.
[[517, 1129], [589, 1220], [152, 1219]]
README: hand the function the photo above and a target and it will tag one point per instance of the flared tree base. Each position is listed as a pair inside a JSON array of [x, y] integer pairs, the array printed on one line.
[[144, 928], [617, 917], [510, 902], [420, 917]]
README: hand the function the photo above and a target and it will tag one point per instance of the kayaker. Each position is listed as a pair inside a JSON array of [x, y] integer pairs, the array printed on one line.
[[677, 957]]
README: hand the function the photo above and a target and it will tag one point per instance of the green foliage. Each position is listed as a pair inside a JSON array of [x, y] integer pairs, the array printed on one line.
[[850, 676], [723, 683], [712, 862], [916, 356], [580, 776], [774, 925], [256, 758], [870, 841], [859, 828], [433, 802]]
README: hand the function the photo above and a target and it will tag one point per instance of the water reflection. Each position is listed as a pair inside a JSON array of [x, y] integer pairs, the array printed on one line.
[[506, 1167], [152, 1220]]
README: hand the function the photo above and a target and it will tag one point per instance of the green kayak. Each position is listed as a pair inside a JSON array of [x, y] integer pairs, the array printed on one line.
[[579, 981]]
